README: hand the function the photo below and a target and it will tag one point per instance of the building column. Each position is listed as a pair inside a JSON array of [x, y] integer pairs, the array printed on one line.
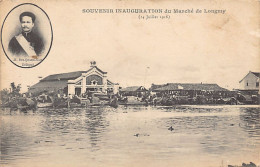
[[105, 83], [71, 88], [115, 88], [84, 83]]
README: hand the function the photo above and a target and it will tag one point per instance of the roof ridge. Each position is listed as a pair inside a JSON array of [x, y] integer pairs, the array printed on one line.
[[195, 83], [65, 73], [100, 70], [258, 73], [73, 73], [132, 86]]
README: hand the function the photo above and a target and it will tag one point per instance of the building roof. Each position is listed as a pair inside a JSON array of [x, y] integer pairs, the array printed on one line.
[[154, 86], [63, 76], [69, 76], [190, 86], [48, 86], [56, 82], [133, 89], [257, 74], [111, 83]]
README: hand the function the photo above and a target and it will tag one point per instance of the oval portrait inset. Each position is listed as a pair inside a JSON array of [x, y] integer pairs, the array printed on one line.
[[26, 35]]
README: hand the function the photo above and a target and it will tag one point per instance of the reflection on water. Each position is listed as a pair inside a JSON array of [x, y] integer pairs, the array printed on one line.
[[204, 135], [250, 120]]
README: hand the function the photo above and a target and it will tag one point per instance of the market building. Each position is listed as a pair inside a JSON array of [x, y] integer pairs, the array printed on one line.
[[77, 83], [190, 89]]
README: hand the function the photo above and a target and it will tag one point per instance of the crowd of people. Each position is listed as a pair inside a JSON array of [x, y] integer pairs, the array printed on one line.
[[60, 99]]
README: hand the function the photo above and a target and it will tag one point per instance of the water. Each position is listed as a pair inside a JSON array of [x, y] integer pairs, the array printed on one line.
[[131, 136]]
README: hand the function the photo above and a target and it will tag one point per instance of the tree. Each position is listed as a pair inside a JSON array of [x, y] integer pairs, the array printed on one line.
[[15, 90], [3, 95]]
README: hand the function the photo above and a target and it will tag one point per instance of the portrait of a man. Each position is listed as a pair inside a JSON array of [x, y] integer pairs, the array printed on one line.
[[27, 42]]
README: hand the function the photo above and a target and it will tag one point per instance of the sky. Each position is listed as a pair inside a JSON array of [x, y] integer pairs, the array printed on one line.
[[187, 48]]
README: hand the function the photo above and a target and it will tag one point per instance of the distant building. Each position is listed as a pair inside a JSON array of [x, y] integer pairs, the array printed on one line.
[[78, 82], [133, 91], [250, 83], [191, 89]]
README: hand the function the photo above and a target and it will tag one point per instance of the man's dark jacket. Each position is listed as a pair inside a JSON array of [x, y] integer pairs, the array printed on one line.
[[34, 40]]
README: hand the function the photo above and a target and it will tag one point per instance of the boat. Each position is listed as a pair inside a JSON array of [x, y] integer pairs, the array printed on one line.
[[44, 105], [132, 100], [23, 107], [244, 99], [101, 96], [26, 104]]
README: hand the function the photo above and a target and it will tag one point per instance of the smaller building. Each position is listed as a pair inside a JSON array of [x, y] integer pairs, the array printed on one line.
[[190, 89], [133, 91], [250, 83]]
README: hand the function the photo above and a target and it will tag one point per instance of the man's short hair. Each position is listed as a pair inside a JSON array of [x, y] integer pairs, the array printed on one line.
[[27, 14]]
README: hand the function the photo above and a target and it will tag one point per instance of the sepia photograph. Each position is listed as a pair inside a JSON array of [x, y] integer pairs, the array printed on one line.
[[26, 35], [130, 83]]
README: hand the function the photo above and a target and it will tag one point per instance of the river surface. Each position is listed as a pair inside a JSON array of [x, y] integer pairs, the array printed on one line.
[[206, 136]]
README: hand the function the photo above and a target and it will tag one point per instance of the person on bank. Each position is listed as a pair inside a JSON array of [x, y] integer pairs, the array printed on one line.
[[27, 43]]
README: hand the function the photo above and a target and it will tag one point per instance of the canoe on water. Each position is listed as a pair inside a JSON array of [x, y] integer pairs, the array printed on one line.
[[21, 107], [44, 105], [132, 100], [26, 104]]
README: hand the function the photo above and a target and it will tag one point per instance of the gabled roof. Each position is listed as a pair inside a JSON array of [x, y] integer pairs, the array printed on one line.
[[109, 82], [48, 86], [257, 74], [133, 89], [154, 86], [98, 70], [63, 76], [190, 86], [69, 76]]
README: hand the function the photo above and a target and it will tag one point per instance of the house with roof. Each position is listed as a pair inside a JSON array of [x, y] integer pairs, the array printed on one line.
[[250, 83], [133, 91], [191, 89], [76, 83]]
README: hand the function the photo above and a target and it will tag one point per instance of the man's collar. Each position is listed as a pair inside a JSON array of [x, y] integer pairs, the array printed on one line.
[[26, 33]]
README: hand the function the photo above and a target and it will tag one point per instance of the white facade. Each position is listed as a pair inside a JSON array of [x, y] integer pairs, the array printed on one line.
[[249, 82], [93, 80]]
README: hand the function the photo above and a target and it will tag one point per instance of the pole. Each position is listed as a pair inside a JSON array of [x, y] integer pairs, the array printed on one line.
[[146, 69]]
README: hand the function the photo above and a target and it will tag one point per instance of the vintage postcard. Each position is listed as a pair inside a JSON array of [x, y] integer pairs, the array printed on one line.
[[122, 83]]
